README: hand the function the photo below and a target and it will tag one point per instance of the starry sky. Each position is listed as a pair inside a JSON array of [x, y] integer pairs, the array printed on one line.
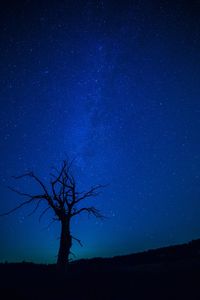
[[116, 85]]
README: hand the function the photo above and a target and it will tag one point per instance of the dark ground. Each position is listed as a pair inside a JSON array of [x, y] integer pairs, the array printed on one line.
[[167, 273]]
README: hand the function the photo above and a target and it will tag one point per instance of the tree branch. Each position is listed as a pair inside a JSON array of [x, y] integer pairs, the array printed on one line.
[[90, 210], [93, 192], [32, 175], [43, 213], [17, 207], [42, 196], [49, 225], [79, 241], [34, 210]]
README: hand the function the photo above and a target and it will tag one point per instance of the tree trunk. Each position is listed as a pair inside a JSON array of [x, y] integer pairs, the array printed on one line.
[[65, 245]]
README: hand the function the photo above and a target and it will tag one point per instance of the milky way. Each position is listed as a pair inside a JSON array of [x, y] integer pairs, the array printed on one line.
[[116, 85]]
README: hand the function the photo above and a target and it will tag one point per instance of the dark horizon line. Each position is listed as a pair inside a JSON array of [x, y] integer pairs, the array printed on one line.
[[190, 242]]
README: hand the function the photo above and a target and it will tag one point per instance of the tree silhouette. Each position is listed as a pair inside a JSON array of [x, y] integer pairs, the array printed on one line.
[[63, 199]]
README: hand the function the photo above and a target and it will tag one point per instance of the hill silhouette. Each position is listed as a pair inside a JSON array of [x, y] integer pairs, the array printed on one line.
[[166, 273], [175, 253]]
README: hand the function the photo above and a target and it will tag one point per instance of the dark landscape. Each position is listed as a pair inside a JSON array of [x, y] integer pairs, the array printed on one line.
[[166, 273], [100, 149]]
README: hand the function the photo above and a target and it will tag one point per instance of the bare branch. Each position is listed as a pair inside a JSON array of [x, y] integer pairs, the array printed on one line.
[[28, 174], [79, 241], [34, 210], [59, 173], [90, 210], [55, 196], [17, 207], [20, 193], [49, 225], [93, 192], [43, 213], [32, 198], [31, 174], [66, 181]]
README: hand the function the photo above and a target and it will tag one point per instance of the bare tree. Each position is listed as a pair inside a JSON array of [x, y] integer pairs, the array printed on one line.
[[63, 199]]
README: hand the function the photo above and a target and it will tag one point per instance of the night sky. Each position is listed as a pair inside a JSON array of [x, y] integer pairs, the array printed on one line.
[[116, 85]]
